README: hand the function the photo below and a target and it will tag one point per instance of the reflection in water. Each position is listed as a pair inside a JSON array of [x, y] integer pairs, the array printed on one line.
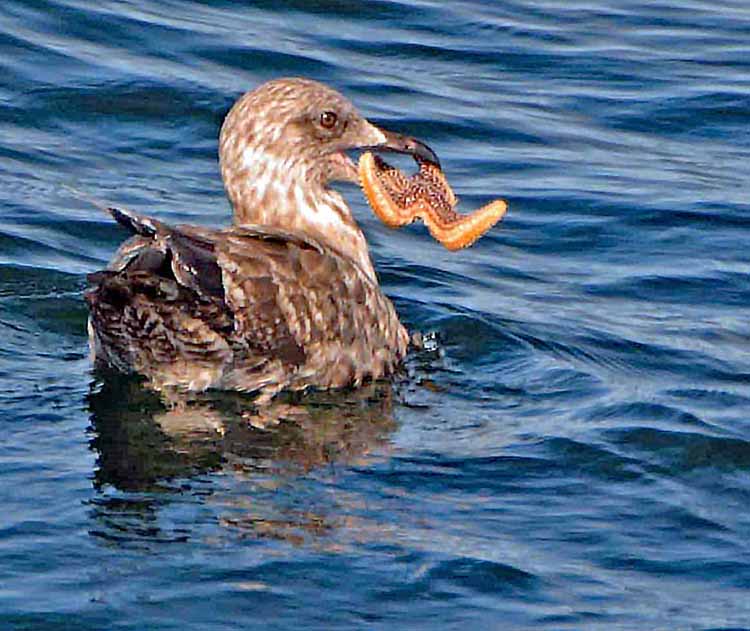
[[148, 451]]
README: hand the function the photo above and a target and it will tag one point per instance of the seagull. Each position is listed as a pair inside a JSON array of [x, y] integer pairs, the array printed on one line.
[[287, 297]]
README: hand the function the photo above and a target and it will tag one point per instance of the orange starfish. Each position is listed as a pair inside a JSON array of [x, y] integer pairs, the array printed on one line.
[[398, 200]]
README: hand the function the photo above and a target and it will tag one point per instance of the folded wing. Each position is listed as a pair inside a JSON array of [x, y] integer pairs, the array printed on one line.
[[243, 308]]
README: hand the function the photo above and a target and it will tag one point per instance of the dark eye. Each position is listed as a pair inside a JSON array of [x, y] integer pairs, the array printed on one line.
[[328, 119]]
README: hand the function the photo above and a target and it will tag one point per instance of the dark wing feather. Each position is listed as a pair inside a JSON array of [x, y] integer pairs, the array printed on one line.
[[194, 264], [188, 253], [137, 224]]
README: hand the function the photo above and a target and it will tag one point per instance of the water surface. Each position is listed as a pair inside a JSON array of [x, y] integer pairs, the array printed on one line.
[[576, 452]]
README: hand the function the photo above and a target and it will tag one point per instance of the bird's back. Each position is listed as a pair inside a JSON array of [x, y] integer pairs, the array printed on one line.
[[252, 309]]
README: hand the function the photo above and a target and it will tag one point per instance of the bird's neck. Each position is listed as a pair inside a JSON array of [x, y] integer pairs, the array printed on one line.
[[291, 202]]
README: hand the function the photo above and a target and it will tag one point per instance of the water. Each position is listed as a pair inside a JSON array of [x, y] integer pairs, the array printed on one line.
[[577, 452]]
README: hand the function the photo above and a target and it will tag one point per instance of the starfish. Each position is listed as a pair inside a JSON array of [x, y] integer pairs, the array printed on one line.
[[285, 298], [398, 200]]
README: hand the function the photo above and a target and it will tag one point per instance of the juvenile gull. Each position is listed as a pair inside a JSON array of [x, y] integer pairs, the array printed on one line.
[[285, 298]]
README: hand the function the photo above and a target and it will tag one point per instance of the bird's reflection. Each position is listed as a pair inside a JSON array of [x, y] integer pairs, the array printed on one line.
[[148, 448]]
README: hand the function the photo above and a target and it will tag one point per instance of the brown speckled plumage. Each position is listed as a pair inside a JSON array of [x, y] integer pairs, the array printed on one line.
[[285, 298]]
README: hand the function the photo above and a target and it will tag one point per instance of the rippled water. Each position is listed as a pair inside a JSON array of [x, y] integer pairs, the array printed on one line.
[[576, 454]]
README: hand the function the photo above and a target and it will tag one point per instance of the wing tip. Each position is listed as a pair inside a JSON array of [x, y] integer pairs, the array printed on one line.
[[138, 224]]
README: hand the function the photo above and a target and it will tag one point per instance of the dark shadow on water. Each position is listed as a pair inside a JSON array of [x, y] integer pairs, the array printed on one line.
[[142, 441], [151, 454]]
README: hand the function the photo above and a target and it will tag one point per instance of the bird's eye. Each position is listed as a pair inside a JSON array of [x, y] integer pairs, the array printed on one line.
[[328, 119]]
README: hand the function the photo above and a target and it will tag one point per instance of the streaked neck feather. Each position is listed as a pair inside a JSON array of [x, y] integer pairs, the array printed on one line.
[[286, 197]]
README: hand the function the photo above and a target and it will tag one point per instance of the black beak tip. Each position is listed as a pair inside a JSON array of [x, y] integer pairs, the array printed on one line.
[[420, 150], [407, 144]]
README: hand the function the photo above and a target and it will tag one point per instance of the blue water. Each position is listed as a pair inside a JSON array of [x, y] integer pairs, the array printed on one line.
[[574, 453]]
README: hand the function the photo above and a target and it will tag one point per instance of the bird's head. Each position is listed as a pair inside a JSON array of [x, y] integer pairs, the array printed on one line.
[[281, 146], [299, 127]]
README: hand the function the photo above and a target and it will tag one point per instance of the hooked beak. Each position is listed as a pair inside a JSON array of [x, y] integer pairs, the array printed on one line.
[[367, 136], [385, 140]]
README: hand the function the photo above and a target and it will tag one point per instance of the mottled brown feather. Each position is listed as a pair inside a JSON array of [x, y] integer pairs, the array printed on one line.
[[288, 312]]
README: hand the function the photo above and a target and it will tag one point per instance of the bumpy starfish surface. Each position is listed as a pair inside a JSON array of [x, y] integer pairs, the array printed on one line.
[[398, 200]]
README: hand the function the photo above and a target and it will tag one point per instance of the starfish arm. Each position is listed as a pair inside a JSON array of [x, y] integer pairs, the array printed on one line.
[[390, 213], [461, 231], [398, 200]]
